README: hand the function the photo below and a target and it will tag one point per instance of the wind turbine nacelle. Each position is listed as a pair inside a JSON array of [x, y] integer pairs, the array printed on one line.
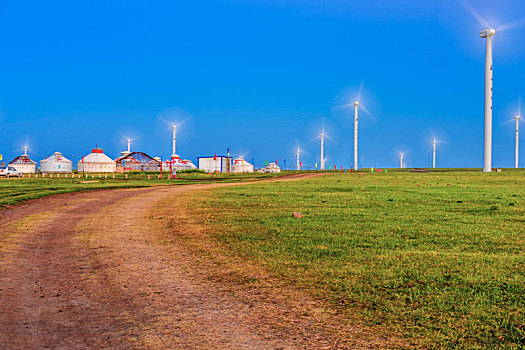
[[487, 33]]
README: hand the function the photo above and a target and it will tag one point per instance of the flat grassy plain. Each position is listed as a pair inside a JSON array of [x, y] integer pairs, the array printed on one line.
[[14, 190], [439, 257]]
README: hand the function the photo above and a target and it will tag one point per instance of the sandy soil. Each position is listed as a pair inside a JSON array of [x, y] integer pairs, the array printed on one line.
[[112, 269]]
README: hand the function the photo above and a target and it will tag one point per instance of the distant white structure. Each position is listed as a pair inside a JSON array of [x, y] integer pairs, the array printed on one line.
[[23, 163], [96, 162], [56, 164], [322, 150], [241, 166], [214, 164], [516, 141], [272, 168], [179, 164]]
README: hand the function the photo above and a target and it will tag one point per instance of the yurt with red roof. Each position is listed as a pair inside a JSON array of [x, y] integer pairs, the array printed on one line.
[[241, 166], [96, 162]]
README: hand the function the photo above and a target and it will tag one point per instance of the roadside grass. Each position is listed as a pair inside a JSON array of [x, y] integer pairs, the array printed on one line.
[[439, 257], [14, 190]]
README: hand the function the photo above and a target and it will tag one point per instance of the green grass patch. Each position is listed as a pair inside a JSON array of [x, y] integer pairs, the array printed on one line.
[[435, 256], [14, 190]]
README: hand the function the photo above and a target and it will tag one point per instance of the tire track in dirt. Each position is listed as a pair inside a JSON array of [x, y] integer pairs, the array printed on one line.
[[90, 272]]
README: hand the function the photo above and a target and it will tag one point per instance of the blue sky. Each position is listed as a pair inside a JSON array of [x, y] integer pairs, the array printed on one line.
[[259, 77]]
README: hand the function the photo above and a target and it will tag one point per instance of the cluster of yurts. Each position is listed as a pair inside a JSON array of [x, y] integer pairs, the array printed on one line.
[[98, 162]]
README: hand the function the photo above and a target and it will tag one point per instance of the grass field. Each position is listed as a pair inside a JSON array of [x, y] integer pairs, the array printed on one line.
[[439, 257], [14, 190]]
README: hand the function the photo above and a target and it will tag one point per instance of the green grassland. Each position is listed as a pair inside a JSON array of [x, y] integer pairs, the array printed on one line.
[[14, 190], [438, 256]]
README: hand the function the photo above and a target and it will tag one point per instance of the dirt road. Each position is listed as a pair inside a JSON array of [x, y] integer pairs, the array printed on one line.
[[90, 270]]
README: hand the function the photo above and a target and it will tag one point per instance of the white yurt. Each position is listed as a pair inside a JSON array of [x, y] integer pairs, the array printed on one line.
[[272, 168], [56, 164], [23, 164], [96, 162], [241, 166], [178, 164]]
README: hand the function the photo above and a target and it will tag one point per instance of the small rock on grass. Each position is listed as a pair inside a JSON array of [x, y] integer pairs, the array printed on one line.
[[297, 215]]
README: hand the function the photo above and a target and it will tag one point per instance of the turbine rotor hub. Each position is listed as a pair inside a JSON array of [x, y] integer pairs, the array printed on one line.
[[487, 33]]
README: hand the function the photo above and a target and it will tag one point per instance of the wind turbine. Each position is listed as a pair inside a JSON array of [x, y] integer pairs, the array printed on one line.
[[322, 150], [401, 155], [174, 117], [434, 141], [516, 146], [487, 34], [298, 162], [322, 136], [356, 105], [173, 154], [487, 144]]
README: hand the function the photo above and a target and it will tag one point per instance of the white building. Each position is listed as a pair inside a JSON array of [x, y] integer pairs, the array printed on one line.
[[96, 162], [272, 168], [56, 164], [214, 164], [241, 166], [23, 164]]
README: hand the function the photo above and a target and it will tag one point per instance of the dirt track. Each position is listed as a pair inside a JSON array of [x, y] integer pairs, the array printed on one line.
[[89, 270]]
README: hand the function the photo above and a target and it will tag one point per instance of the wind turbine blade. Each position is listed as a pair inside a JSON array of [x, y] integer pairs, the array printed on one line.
[[470, 9], [328, 137], [360, 91], [511, 25], [348, 105], [364, 109]]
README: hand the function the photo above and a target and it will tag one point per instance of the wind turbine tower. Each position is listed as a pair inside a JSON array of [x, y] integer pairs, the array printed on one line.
[[517, 118], [129, 146], [298, 162], [356, 103], [434, 141], [25, 150], [173, 154], [487, 146], [401, 159], [322, 150]]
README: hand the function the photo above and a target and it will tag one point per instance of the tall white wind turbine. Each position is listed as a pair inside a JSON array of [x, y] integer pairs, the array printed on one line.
[[322, 150], [487, 143], [434, 141], [516, 145], [173, 154], [488, 33], [356, 104], [401, 155], [298, 161]]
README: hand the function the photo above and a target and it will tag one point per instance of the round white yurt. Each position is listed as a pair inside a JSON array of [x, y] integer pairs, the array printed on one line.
[[241, 166], [23, 164], [96, 162], [56, 164], [178, 164], [273, 168]]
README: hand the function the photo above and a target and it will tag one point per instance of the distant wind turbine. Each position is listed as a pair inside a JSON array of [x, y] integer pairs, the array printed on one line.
[[434, 142], [516, 146], [356, 104], [298, 162], [322, 150]]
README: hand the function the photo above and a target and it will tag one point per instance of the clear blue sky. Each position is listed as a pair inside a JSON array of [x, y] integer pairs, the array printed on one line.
[[259, 77]]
